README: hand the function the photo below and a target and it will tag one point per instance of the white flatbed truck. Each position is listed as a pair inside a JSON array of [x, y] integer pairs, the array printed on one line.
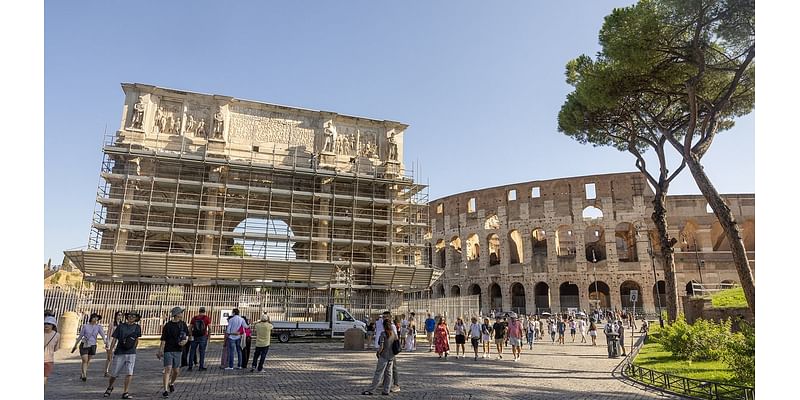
[[338, 320]]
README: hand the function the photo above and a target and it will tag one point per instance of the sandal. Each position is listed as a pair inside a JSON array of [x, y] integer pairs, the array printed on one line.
[[108, 392], [367, 393], [127, 395]]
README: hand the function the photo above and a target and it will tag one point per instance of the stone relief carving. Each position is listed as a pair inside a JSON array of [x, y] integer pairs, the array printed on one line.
[[369, 146], [196, 117], [219, 124], [345, 145], [330, 137], [168, 117], [137, 115], [250, 125]]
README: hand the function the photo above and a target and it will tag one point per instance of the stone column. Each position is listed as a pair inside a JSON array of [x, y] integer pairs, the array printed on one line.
[[68, 325]]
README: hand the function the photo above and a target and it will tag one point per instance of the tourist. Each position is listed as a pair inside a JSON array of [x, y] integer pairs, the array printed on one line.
[[430, 326], [621, 332], [403, 331], [379, 327], [386, 358], [87, 339], [562, 327], [411, 334], [645, 327], [581, 325], [370, 332], [552, 327], [572, 328], [199, 328], [441, 337], [475, 335], [499, 336], [461, 336], [530, 332], [610, 330], [536, 328], [119, 318], [263, 330], [486, 338], [387, 316], [235, 331], [515, 333], [248, 338], [593, 333], [126, 338], [174, 336], [51, 339]]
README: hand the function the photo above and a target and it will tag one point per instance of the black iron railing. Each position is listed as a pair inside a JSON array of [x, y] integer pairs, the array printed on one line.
[[680, 385]]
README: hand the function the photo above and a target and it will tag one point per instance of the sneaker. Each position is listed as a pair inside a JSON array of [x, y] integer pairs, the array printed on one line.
[[228, 369], [238, 368], [476, 358], [171, 388], [395, 389], [202, 369], [252, 370], [165, 394]]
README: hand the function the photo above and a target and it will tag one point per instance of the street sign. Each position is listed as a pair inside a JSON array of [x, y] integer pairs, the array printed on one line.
[[634, 295]]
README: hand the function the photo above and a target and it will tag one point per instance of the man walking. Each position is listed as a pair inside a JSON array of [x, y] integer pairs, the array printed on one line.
[[430, 325], [515, 337], [125, 338], [174, 336], [499, 336], [235, 330], [199, 329], [263, 331]]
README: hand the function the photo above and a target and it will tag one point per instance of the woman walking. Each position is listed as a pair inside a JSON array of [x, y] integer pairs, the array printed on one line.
[[87, 339], [572, 328], [51, 339], [411, 335], [119, 318], [442, 338], [385, 363], [486, 338], [461, 335], [593, 333], [248, 339], [552, 326], [530, 331]]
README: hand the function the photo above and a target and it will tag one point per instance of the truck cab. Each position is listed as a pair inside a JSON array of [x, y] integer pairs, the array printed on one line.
[[342, 321]]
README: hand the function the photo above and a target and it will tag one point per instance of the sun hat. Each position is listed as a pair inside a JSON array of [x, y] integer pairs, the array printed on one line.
[[50, 320], [264, 318], [135, 314], [175, 311]]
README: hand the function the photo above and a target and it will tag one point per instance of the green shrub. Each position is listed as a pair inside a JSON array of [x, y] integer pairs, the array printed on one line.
[[702, 341], [740, 354]]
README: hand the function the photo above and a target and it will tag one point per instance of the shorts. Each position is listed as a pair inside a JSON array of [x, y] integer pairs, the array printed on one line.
[[500, 340], [461, 339], [515, 341], [572, 331], [593, 333], [48, 368], [122, 364], [172, 359], [486, 338], [475, 342], [90, 351]]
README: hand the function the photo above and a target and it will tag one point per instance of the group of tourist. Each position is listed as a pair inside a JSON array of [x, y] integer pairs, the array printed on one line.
[[179, 345]]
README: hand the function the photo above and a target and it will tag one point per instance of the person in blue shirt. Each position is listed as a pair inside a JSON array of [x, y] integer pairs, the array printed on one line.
[[430, 325]]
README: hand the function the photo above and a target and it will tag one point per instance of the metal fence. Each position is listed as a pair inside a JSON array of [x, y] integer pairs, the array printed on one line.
[[154, 301], [451, 308], [693, 388]]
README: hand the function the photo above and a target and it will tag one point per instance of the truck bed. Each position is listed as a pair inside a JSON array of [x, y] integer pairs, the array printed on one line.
[[310, 326]]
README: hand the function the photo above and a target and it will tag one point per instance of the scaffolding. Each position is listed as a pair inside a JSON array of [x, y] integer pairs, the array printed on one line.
[[179, 209]]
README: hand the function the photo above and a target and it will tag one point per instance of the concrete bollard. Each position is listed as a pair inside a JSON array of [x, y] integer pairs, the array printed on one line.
[[68, 325], [354, 339]]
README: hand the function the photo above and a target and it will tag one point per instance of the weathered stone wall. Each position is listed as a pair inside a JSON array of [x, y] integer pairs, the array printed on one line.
[[696, 308]]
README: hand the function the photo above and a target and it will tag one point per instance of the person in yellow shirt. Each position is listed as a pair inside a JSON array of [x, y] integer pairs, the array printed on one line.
[[263, 333]]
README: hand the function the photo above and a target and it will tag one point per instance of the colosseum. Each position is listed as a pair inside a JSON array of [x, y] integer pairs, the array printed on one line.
[[577, 243]]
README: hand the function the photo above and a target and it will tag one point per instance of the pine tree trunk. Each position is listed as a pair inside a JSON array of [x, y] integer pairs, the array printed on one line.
[[729, 226], [660, 219]]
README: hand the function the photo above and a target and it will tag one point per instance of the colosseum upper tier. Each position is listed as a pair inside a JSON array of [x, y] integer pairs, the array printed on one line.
[[576, 243]]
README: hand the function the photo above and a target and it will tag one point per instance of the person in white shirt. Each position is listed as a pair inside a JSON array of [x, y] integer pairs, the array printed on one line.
[[236, 326], [582, 329], [475, 335]]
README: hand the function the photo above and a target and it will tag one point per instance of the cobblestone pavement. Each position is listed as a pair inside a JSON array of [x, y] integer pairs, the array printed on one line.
[[320, 369]]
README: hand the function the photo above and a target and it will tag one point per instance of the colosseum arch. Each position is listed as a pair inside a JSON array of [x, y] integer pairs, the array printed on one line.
[[255, 243], [492, 222], [475, 289], [539, 242], [690, 288], [748, 229], [496, 297], [439, 291], [595, 239], [515, 255], [688, 236], [473, 247], [518, 298], [541, 296], [493, 244], [599, 290], [569, 295], [565, 241], [625, 236], [440, 260], [660, 294], [455, 291], [455, 245], [592, 213], [625, 294]]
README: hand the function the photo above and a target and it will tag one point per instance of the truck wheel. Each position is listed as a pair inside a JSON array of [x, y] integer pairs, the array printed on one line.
[[283, 337]]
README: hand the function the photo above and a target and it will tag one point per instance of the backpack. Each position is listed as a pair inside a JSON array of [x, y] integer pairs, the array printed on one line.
[[198, 327], [396, 347]]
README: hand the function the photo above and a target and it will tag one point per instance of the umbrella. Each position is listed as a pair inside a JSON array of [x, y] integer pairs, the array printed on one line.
[[581, 313], [545, 313]]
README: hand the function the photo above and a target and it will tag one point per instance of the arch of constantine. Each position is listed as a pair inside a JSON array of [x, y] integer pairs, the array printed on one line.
[[576, 242]]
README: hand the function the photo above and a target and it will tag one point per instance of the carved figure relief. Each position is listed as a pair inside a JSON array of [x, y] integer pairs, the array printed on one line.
[[160, 124], [344, 145], [392, 146], [168, 117], [219, 124], [201, 129], [369, 147], [196, 117], [330, 137], [138, 114]]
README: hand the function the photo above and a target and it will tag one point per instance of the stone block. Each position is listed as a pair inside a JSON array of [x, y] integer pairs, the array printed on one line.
[[354, 339]]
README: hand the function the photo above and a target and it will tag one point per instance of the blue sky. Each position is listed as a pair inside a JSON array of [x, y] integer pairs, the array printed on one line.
[[479, 83]]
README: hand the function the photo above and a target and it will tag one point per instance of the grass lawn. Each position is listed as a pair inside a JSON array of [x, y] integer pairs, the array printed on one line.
[[653, 356], [729, 298]]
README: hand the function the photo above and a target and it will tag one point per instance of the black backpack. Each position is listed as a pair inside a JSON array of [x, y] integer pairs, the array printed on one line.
[[199, 327], [396, 347]]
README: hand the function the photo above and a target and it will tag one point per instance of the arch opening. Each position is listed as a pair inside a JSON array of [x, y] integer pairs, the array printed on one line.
[[515, 255], [625, 295], [569, 295], [599, 295], [541, 296], [518, 298], [493, 242], [496, 297]]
